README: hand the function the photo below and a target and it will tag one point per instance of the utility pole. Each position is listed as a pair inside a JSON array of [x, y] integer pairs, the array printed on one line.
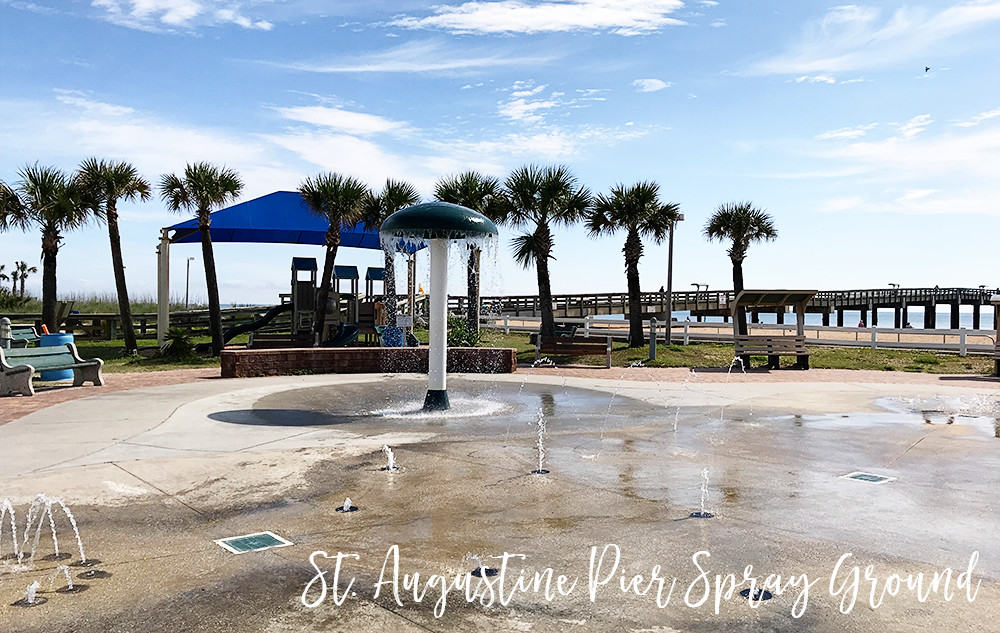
[[187, 283]]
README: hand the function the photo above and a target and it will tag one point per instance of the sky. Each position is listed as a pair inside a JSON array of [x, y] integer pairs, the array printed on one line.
[[870, 132]]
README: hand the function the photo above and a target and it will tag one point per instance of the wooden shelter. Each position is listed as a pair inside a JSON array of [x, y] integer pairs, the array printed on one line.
[[772, 345]]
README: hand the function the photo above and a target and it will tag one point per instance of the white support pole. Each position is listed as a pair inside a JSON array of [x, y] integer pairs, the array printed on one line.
[[963, 349], [437, 395], [162, 287]]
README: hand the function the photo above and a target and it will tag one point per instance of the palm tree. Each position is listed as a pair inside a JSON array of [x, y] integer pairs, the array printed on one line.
[[637, 210], [202, 188], [107, 183], [4, 277], [337, 198], [483, 194], [742, 224], [539, 198], [376, 208], [21, 272], [49, 200]]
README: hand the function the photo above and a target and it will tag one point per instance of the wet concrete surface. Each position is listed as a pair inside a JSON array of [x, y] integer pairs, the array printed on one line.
[[152, 497]]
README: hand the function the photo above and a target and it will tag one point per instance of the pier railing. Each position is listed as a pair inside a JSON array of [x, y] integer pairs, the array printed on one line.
[[960, 341]]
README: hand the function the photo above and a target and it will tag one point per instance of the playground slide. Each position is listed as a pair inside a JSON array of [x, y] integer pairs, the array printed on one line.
[[250, 326], [244, 328], [346, 334]]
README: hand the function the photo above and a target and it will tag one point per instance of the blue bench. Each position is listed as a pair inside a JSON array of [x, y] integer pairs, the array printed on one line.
[[18, 367]]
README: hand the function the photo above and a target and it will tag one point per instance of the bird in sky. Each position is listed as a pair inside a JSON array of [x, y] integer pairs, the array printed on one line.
[[927, 69]]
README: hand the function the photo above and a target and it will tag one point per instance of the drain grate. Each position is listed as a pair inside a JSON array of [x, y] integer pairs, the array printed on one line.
[[252, 542], [870, 478]]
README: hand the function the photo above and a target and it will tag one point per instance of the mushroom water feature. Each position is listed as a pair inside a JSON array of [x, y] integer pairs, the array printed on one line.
[[437, 224]]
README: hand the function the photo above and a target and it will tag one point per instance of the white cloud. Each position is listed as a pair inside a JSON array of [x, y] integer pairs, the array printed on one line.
[[718, 24], [852, 37], [417, 57], [916, 171], [528, 104], [815, 79], [167, 14], [359, 123], [650, 85], [979, 118], [72, 127], [526, 89], [847, 132], [708, 3], [622, 17], [524, 110], [915, 126], [79, 99]]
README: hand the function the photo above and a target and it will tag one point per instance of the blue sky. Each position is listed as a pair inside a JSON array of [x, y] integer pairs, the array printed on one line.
[[874, 170]]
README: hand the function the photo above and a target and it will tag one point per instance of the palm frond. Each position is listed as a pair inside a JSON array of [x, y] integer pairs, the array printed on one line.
[[174, 192], [742, 224]]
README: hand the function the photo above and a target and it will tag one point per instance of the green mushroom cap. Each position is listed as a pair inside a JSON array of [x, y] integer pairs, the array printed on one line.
[[437, 220]]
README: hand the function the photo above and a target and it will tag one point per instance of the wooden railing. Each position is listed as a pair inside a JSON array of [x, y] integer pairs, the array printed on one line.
[[960, 341], [106, 326]]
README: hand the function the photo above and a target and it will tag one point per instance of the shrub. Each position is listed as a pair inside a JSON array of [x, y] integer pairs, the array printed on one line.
[[460, 334], [10, 302], [177, 345]]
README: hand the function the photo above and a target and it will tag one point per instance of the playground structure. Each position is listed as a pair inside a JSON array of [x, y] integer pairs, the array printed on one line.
[[283, 218], [350, 314]]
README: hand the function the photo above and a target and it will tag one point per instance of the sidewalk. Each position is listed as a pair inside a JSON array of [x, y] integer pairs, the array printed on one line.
[[14, 407]]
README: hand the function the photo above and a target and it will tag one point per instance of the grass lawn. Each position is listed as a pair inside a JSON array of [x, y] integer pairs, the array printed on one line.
[[114, 361], [695, 355], [718, 355]]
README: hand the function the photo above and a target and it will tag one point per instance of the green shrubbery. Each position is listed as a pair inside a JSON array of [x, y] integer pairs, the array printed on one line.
[[10, 302], [178, 345], [460, 334]]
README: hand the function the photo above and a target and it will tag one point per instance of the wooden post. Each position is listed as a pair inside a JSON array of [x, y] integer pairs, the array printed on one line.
[[840, 317], [955, 322], [802, 362], [975, 316]]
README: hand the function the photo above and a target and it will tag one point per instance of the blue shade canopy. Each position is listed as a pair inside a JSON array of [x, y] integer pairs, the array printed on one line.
[[281, 217]]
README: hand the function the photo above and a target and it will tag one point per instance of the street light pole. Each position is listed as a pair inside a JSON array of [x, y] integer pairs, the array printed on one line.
[[670, 276], [187, 282]]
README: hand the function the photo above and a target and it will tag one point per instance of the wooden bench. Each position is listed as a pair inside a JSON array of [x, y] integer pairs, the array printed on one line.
[[23, 335], [574, 346], [18, 367], [774, 347]]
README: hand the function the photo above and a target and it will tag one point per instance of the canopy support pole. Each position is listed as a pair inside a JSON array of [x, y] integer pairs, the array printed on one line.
[[411, 283], [163, 287], [437, 374]]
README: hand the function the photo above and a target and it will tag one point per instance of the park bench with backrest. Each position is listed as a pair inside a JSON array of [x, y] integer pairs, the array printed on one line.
[[19, 366], [23, 336], [774, 347], [574, 346]]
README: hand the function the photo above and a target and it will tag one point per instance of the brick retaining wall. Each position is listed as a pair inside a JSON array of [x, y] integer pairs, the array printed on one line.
[[248, 363]]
